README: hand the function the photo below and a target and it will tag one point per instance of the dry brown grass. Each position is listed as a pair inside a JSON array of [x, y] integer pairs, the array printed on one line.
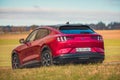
[[66, 72], [109, 34]]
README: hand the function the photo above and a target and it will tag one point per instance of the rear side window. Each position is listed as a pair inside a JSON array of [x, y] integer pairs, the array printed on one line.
[[76, 30]]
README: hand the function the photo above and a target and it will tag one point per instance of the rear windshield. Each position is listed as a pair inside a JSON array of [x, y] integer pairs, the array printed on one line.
[[76, 30]]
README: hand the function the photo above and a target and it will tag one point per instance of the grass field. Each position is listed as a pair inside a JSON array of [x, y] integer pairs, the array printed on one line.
[[67, 72]]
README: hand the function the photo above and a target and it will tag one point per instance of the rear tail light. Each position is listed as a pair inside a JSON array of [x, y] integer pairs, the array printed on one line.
[[61, 39], [97, 38], [100, 38]]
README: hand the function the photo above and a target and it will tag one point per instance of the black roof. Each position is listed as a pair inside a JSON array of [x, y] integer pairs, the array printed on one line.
[[59, 26]]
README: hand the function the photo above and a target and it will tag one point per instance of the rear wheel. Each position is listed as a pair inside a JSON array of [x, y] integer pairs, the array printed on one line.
[[46, 58], [15, 62]]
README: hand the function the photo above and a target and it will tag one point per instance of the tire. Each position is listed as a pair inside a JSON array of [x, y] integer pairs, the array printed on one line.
[[15, 62], [46, 58]]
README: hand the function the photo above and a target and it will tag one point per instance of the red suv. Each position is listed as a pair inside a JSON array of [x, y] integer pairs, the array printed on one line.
[[59, 44]]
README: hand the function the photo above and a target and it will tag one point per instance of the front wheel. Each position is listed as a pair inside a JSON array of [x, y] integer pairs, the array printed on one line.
[[46, 58], [15, 62]]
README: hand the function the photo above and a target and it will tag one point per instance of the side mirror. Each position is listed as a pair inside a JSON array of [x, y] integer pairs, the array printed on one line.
[[22, 41]]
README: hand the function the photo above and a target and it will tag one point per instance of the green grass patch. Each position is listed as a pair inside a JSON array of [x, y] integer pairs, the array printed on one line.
[[5, 54], [112, 47], [112, 42], [6, 47], [8, 42]]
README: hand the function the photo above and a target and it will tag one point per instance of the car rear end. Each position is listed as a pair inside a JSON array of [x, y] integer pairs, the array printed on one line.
[[78, 43]]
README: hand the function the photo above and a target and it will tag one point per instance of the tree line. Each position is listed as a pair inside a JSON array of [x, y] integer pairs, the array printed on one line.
[[97, 26], [103, 26]]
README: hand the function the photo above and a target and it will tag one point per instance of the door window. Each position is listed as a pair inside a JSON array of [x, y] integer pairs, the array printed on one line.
[[32, 36]]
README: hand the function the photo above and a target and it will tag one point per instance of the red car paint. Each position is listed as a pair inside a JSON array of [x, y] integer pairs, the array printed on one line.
[[59, 44]]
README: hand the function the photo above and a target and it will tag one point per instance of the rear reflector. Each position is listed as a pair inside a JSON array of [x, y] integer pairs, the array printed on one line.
[[63, 51]]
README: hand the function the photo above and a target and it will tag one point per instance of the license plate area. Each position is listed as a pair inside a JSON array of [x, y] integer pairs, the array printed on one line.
[[83, 49]]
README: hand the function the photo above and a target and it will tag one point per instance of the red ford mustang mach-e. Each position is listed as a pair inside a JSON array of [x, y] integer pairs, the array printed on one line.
[[59, 44]]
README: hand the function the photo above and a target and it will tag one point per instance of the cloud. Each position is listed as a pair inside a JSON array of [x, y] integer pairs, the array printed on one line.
[[46, 15]]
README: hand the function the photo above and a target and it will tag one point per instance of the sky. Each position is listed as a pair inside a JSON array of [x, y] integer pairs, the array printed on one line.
[[44, 12]]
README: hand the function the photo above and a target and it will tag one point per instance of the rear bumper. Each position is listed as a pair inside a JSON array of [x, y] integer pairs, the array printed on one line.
[[78, 58]]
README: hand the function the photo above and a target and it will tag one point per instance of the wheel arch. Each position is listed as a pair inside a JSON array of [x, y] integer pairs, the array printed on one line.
[[45, 47], [13, 53]]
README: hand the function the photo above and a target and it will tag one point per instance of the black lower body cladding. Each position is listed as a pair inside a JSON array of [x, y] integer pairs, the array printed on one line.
[[88, 57]]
